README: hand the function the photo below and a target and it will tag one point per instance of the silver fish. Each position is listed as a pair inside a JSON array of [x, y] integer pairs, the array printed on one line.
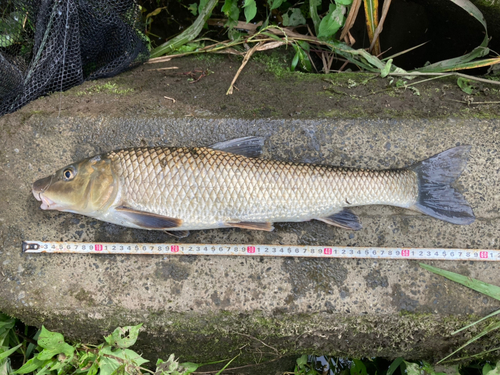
[[226, 185]]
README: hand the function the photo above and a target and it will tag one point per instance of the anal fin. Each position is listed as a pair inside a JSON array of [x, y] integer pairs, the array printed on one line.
[[147, 220], [345, 219], [268, 227]]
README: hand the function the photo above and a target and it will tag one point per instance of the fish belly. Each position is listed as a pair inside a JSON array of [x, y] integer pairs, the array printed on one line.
[[206, 188]]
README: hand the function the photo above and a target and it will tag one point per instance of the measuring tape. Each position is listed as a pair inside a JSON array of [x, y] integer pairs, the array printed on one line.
[[31, 247]]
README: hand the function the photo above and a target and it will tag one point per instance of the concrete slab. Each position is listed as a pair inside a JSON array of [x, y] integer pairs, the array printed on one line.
[[206, 308], [348, 307]]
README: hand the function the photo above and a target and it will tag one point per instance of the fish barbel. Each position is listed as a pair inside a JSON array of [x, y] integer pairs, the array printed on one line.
[[180, 189]]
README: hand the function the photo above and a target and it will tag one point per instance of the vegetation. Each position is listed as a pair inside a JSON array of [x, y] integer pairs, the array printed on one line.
[[41, 352], [311, 30]]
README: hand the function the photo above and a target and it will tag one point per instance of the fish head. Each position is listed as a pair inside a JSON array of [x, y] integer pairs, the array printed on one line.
[[86, 187]]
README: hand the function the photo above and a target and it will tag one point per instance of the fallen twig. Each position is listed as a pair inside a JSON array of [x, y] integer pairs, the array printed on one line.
[[172, 99], [245, 60]]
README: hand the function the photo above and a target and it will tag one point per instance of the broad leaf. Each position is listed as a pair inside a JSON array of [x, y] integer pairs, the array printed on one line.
[[124, 337], [358, 368], [126, 355], [250, 10], [273, 4], [53, 343], [294, 19], [108, 366], [465, 85], [331, 22]]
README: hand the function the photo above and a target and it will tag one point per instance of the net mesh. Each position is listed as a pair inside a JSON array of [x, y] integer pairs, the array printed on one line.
[[53, 45]]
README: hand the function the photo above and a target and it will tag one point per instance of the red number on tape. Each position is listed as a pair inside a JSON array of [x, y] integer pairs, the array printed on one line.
[[405, 253], [175, 248], [327, 251], [98, 247], [251, 249]]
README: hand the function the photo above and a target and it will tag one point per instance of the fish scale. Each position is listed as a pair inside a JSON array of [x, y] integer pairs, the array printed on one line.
[[206, 187]]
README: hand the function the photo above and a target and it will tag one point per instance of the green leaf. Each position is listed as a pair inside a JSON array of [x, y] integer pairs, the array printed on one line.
[[53, 343], [489, 370], [331, 22], [193, 8], [250, 10], [8, 352], [465, 85], [412, 368], [343, 2], [232, 12], [125, 354], [93, 369], [394, 365], [30, 366], [358, 368], [313, 10], [300, 56], [190, 367], [386, 69], [108, 366], [295, 60], [490, 290], [294, 19], [273, 4], [124, 337], [302, 360]]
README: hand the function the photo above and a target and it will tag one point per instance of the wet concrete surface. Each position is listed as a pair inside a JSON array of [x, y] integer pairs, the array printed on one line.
[[204, 308]]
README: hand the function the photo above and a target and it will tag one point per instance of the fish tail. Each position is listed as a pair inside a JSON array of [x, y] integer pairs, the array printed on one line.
[[436, 197]]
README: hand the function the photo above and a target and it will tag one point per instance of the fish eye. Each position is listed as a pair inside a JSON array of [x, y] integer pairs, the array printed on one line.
[[69, 174]]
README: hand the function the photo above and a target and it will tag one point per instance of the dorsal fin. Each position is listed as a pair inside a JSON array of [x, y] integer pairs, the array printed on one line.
[[251, 147]]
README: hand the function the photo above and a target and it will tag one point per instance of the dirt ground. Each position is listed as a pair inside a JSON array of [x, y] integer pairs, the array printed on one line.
[[197, 86]]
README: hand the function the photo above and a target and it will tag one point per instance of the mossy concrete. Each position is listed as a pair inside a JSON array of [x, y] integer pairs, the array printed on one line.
[[207, 308]]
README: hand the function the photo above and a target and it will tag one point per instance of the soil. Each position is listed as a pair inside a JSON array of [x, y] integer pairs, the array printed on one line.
[[197, 86]]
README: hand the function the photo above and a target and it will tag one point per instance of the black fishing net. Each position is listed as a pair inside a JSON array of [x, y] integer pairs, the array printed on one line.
[[53, 45]]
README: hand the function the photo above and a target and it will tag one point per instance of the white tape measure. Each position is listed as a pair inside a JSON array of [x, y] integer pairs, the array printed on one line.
[[259, 250]]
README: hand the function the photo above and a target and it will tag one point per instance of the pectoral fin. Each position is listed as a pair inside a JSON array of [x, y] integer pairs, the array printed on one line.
[[148, 220], [251, 147], [344, 219], [268, 227]]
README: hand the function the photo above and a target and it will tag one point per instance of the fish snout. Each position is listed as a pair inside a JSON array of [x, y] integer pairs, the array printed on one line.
[[39, 186]]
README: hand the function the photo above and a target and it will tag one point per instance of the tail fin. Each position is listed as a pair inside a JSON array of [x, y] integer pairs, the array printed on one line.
[[436, 197]]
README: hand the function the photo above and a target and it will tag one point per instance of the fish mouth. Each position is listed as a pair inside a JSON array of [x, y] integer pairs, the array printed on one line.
[[38, 188]]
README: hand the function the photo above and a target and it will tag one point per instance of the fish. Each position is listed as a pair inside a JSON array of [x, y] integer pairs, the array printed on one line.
[[229, 185]]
